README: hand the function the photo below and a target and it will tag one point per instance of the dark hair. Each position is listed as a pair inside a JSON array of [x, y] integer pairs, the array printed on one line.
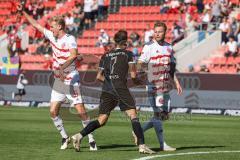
[[160, 24], [121, 37]]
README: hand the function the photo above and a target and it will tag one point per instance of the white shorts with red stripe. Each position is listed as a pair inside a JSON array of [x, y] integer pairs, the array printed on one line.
[[71, 91]]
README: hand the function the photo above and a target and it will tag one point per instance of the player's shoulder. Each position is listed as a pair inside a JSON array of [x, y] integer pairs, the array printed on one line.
[[69, 36], [167, 44], [103, 56], [149, 43]]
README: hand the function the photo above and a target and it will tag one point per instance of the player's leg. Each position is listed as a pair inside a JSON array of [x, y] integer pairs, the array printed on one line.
[[85, 121], [137, 129], [107, 104], [56, 99], [17, 95], [75, 96], [151, 98], [159, 118], [92, 126], [128, 105]]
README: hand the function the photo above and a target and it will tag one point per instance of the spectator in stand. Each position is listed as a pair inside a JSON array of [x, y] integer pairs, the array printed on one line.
[[148, 34], [78, 17], [232, 48], [77, 23], [192, 9], [174, 6], [103, 39], [77, 8], [29, 8], [44, 48], [110, 46], [40, 9], [216, 11], [94, 10], [234, 28], [187, 2], [238, 68], [191, 26], [200, 6], [206, 19], [238, 34], [224, 27], [87, 13], [34, 13], [225, 9], [177, 32], [164, 8], [100, 9], [191, 68], [135, 39], [69, 21], [203, 69]]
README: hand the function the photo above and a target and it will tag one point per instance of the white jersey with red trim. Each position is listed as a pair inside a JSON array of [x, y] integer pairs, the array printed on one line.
[[158, 57], [61, 51]]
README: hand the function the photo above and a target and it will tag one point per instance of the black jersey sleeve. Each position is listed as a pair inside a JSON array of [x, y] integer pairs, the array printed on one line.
[[101, 63], [130, 57]]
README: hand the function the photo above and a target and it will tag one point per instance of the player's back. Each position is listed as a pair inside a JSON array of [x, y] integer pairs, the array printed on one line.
[[115, 64]]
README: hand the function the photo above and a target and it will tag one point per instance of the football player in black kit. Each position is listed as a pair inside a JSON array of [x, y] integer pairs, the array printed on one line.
[[113, 72]]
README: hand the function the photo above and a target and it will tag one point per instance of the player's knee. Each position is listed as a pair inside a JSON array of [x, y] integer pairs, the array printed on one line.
[[135, 119], [102, 120], [53, 113]]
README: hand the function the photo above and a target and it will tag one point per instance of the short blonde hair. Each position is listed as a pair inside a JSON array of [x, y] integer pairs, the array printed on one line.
[[59, 20]]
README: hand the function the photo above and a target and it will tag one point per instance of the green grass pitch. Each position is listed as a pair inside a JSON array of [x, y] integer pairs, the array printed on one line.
[[28, 133]]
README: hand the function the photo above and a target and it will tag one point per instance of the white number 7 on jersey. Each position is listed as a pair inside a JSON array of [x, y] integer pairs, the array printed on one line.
[[113, 62]]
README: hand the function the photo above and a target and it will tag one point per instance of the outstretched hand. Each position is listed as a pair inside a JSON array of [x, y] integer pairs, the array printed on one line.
[[20, 8]]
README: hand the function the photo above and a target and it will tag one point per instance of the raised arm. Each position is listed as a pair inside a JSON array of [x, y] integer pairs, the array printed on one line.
[[32, 21]]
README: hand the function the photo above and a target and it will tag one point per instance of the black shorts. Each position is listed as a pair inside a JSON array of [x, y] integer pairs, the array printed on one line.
[[88, 15], [21, 92], [108, 101]]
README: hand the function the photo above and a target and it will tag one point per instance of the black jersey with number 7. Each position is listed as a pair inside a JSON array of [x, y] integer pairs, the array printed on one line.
[[115, 68]]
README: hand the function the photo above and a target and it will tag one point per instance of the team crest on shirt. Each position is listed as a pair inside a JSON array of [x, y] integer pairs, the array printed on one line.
[[63, 45], [74, 45], [169, 50]]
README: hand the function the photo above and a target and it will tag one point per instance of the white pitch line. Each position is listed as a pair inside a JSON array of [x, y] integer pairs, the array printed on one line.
[[182, 154]]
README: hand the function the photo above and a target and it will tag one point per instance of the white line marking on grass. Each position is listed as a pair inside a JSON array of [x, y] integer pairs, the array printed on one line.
[[182, 154]]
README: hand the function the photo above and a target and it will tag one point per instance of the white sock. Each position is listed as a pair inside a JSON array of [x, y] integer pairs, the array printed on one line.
[[90, 135], [59, 124]]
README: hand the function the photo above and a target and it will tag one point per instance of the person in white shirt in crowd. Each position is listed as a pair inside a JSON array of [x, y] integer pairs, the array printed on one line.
[[224, 27], [69, 21], [191, 26], [232, 47], [103, 39], [206, 19], [216, 11], [22, 81], [88, 13], [234, 28], [148, 34]]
